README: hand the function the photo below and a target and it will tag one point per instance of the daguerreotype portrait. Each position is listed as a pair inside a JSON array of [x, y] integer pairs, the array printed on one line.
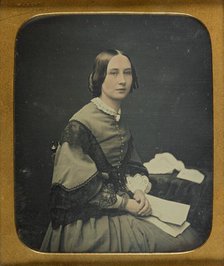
[[113, 133]]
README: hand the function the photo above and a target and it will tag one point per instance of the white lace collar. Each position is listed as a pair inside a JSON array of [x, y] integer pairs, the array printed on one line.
[[106, 109]]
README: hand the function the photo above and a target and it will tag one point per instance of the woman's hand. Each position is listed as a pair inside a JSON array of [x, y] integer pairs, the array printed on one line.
[[133, 206], [145, 208], [139, 196]]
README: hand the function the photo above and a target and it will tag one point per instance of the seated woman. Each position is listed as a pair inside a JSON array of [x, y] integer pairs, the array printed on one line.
[[92, 209]]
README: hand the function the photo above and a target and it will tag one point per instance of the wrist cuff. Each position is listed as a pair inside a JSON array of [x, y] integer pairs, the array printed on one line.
[[124, 203]]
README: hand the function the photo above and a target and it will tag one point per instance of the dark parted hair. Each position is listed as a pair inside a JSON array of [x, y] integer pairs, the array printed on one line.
[[98, 75]]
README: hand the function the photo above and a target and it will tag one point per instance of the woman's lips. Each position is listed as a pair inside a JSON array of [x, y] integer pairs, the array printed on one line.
[[121, 89]]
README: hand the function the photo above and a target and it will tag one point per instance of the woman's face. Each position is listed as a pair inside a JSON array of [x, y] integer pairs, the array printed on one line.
[[118, 80]]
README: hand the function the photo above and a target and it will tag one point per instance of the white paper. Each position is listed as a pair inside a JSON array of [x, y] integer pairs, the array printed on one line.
[[168, 211], [191, 175], [173, 230], [164, 163]]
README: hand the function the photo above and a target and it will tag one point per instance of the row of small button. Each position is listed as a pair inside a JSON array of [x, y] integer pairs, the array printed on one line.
[[122, 144]]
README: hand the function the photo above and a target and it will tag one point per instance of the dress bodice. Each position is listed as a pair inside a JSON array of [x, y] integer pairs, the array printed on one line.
[[113, 136]]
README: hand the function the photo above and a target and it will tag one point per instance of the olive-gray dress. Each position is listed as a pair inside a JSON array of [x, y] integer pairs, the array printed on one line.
[[95, 154]]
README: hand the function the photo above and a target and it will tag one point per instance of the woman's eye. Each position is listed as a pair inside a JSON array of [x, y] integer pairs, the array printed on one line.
[[114, 73], [128, 72]]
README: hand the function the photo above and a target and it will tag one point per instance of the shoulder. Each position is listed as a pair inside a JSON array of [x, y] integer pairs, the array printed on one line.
[[85, 114], [78, 128]]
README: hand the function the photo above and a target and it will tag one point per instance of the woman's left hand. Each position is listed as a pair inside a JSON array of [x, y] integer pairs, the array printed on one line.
[[145, 207]]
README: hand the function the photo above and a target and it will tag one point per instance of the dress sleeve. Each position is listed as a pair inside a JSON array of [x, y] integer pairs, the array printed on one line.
[[137, 175], [135, 165], [76, 178], [106, 198]]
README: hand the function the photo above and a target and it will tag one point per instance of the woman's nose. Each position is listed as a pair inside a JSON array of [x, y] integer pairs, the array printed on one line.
[[122, 79]]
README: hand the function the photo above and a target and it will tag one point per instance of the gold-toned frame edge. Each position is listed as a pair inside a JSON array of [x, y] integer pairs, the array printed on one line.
[[12, 15]]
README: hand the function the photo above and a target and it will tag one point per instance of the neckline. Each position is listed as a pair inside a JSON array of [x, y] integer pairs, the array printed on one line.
[[106, 109]]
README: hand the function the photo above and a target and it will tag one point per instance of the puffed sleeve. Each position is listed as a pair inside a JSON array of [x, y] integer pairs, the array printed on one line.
[[138, 182], [77, 179], [73, 168]]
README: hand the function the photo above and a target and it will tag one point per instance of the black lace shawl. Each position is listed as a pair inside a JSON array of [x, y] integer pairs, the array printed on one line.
[[93, 198]]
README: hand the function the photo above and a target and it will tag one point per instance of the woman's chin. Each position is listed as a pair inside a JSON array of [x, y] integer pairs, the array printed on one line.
[[120, 95]]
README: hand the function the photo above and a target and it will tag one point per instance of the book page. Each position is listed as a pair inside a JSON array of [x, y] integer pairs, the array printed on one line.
[[171, 229], [168, 211], [191, 175]]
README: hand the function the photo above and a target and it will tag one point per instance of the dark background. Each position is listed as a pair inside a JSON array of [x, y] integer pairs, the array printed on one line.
[[171, 112]]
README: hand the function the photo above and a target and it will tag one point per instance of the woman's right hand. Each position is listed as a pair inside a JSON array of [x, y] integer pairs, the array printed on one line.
[[133, 206]]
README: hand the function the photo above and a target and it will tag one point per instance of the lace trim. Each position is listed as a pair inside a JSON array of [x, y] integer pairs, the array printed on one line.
[[67, 199], [105, 198], [65, 204], [134, 168], [106, 109]]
